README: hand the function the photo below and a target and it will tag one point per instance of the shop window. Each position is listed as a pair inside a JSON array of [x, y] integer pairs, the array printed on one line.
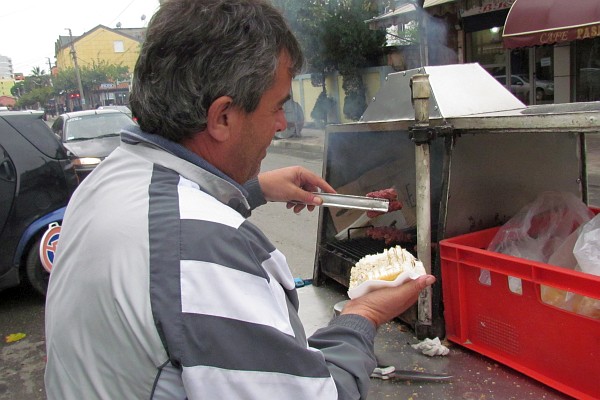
[[544, 74], [485, 48], [587, 72]]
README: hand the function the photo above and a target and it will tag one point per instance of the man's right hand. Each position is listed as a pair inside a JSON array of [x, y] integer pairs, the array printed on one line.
[[382, 305]]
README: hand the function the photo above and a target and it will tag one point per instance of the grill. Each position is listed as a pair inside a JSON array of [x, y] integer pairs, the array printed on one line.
[[341, 255], [346, 253], [468, 158], [354, 250]]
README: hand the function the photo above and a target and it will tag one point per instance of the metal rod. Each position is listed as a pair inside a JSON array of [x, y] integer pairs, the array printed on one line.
[[421, 92]]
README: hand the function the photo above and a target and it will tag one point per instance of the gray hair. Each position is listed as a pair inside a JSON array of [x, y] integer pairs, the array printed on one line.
[[199, 50]]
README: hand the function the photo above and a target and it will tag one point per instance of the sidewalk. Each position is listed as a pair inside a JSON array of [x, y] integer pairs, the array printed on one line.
[[474, 377], [311, 140]]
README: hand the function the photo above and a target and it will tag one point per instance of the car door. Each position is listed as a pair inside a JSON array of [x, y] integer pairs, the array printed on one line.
[[8, 183]]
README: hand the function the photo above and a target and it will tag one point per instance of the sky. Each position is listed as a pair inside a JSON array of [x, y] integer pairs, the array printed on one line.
[[30, 28]]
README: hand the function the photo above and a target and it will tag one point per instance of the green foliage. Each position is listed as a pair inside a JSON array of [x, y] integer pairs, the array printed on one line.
[[323, 107], [91, 77], [354, 102], [35, 98], [36, 80], [334, 37]]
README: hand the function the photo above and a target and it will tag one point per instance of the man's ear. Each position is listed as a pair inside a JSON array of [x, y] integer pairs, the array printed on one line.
[[221, 115]]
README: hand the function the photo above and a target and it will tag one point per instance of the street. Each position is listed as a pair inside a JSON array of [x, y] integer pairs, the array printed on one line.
[[22, 311]]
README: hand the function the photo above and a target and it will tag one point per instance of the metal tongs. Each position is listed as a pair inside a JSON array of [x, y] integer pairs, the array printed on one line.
[[355, 202], [390, 372]]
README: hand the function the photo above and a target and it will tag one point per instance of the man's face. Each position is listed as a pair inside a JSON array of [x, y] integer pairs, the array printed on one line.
[[260, 126]]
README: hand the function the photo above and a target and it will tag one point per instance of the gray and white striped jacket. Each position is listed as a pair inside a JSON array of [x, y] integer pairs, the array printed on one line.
[[162, 289]]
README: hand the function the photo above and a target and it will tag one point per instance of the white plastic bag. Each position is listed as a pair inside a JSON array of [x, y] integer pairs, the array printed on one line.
[[538, 230], [587, 247]]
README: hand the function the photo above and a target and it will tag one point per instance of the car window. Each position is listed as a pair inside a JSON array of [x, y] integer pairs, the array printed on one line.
[[95, 125], [57, 126], [35, 130]]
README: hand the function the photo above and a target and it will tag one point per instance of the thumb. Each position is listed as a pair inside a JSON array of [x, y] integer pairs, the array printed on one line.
[[422, 282]]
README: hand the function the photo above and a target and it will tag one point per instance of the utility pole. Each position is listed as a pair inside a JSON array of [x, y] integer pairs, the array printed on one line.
[[52, 84], [77, 75]]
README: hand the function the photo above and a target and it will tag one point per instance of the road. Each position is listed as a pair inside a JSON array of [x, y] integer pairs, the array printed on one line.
[[22, 311], [294, 234]]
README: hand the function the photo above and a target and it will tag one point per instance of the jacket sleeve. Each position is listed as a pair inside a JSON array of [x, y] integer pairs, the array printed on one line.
[[256, 198], [348, 346]]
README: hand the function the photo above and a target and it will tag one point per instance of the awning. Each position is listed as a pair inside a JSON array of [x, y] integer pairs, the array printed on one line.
[[432, 3], [401, 15], [540, 22]]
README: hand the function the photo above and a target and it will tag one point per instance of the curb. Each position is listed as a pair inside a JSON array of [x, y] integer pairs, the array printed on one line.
[[298, 144]]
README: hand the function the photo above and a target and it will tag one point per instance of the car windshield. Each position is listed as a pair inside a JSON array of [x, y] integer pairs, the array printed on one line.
[[94, 126]]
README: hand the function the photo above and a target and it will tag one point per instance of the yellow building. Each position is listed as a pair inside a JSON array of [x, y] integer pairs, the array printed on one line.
[[112, 46], [5, 86]]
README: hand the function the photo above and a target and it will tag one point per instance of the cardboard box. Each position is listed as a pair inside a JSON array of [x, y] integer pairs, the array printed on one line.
[[390, 175]]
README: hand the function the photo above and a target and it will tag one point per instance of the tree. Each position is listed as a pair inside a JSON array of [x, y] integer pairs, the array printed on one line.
[[34, 91], [352, 46], [36, 98], [334, 37], [91, 77], [39, 78]]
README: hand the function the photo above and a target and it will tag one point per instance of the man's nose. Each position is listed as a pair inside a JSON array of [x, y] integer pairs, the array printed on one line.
[[281, 123]]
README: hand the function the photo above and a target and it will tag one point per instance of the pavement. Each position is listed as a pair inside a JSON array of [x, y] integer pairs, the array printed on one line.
[[310, 140]]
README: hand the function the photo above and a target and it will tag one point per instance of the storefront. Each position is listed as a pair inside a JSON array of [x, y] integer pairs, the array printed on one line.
[[543, 51], [519, 69], [571, 29]]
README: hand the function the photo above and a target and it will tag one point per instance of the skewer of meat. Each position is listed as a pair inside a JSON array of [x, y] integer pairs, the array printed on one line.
[[389, 194], [389, 234]]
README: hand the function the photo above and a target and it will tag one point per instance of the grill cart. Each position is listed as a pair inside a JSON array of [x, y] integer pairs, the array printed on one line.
[[463, 154]]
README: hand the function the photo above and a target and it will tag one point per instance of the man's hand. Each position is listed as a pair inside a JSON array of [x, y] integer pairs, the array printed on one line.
[[382, 305], [294, 186]]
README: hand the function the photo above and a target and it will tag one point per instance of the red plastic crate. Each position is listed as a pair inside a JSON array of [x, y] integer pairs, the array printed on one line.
[[551, 345]]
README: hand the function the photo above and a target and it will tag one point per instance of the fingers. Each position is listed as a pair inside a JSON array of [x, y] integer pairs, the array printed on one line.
[[382, 305], [294, 185], [298, 207], [311, 182]]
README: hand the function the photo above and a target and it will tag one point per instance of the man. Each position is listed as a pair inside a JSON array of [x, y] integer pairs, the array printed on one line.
[[161, 288]]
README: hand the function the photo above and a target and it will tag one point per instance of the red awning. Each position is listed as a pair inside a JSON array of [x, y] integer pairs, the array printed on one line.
[[540, 22]]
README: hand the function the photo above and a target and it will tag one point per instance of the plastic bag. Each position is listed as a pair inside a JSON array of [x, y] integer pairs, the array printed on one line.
[[587, 247], [538, 230], [587, 253]]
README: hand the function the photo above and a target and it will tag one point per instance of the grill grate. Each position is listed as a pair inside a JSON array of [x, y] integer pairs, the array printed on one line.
[[355, 249]]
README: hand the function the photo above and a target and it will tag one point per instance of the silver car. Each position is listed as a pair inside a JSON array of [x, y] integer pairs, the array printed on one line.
[[520, 86], [90, 136]]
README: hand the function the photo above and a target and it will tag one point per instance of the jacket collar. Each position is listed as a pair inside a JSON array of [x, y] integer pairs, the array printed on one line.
[[188, 164]]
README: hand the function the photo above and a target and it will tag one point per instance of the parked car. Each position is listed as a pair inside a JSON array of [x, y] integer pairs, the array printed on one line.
[[36, 182], [520, 86], [123, 109], [90, 136]]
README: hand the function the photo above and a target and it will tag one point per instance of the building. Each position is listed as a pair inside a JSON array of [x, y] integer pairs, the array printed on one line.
[[5, 86], [114, 46], [7, 101], [119, 46], [544, 52], [6, 68]]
